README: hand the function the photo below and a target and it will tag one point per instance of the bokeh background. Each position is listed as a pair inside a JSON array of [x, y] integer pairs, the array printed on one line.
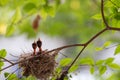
[[61, 22]]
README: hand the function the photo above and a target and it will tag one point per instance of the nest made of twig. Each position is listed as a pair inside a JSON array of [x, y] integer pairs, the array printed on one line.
[[41, 66]]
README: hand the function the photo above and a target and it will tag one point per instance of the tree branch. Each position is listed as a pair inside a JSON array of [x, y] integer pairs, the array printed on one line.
[[6, 60], [17, 63], [107, 27], [115, 29], [67, 46], [114, 4], [102, 13], [85, 45]]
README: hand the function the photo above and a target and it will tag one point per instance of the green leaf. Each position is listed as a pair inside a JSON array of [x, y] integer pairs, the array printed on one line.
[[73, 68], [117, 16], [3, 53], [66, 78], [109, 60], [100, 62], [117, 50], [1, 64], [65, 61], [114, 66], [17, 16], [106, 61], [29, 7], [43, 13], [102, 69], [116, 2], [106, 44], [58, 70], [92, 69], [51, 11], [88, 61], [10, 76], [108, 4], [47, 10], [6, 74], [10, 30], [114, 9], [99, 48], [97, 17], [31, 78]]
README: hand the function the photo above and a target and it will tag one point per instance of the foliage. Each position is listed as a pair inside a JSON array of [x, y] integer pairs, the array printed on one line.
[[88, 61], [20, 11], [117, 50], [2, 54], [65, 62], [72, 19], [114, 76], [9, 76], [103, 64]]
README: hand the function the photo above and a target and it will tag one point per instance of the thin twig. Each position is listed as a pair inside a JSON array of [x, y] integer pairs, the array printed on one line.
[[102, 13], [115, 29], [89, 41], [63, 54], [14, 56], [95, 36], [17, 63], [6, 60], [60, 48], [114, 4], [111, 46], [86, 44], [67, 46], [76, 57]]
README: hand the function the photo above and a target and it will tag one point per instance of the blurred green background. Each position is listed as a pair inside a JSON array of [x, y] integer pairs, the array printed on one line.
[[75, 21]]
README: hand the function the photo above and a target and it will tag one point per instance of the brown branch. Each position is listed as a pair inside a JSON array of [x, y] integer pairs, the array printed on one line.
[[17, 63], [115, 29], [6, 60], [67, 46], [102, 13], [76, 57], [86, 44], [60, 48], [95, 36], [9, 66], [89, 41]]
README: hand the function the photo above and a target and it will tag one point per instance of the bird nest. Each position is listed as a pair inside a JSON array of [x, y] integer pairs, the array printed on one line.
[[41, 65]]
